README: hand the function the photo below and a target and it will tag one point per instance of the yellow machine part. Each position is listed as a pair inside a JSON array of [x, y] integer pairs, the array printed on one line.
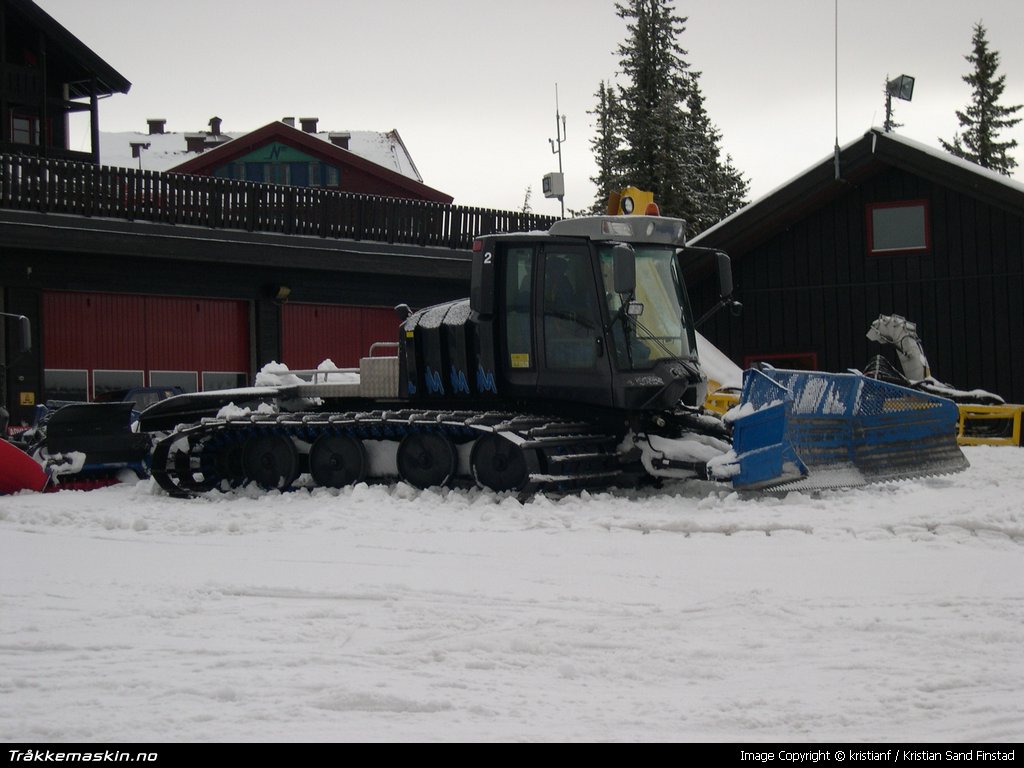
[[719, 399], [977, 420], [631, 201]]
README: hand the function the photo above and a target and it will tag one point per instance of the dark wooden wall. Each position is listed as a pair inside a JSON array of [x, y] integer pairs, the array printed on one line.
[[813, 288], [128, 259]]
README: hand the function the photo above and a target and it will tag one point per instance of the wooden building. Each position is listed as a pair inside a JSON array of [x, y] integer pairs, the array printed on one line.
[[46, 75], [140, 278], [134, 278], [905, 229], [279, 153]]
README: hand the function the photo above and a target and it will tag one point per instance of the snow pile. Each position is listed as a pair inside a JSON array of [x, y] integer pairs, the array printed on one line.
[[717, 365], [332, 374], [233, 412], [275, 374]]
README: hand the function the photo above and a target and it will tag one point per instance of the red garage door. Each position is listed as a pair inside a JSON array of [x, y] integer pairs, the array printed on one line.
[[99, 342], [312, 333]]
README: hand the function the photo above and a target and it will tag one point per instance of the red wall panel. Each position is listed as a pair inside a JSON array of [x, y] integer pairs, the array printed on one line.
[[197, 334], [148, 333], [312, 333], [94, 330]]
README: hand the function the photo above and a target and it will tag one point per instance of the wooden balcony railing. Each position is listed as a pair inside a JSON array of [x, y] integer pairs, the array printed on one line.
[[57, 186]]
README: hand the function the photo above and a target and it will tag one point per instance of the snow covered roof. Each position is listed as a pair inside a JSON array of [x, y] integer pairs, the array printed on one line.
[[817, 185], [167, 150]]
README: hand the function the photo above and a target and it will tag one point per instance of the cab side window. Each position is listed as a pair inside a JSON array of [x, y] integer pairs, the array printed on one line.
[[519, 307], [571, 316]]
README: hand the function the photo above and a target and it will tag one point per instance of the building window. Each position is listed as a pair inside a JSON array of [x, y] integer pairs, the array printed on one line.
[[899, 227], [796, 361], [24, 129], [113, 385], [265, 173], [213, 380], [186, 381], [63, 384]]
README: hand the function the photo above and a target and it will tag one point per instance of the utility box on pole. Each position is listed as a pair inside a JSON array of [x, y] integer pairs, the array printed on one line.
[[553, 185]]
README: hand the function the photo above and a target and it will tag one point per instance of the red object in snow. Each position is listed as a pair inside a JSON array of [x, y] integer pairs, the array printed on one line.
[[18, 471]]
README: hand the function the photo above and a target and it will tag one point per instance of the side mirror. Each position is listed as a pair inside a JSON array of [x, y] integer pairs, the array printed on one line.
[[24, 331], [725, 290], [724, 275], [25, 334], [625, 269]]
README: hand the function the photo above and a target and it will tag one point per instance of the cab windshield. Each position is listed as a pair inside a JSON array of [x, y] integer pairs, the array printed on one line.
[[664, 330]]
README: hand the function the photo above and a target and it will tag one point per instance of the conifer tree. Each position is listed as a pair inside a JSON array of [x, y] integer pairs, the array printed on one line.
[[983, 119], [607, 145], [719, 188], [890, 122], [667, 144], [654, 67]]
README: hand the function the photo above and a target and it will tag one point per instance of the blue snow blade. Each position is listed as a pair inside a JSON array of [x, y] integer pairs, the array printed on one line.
[[765, 456], [807, 429]]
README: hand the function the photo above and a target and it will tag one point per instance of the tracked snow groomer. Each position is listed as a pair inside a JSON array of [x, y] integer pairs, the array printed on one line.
[[572, 365]]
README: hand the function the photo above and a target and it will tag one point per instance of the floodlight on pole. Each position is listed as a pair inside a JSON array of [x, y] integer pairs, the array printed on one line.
[[902, 88]]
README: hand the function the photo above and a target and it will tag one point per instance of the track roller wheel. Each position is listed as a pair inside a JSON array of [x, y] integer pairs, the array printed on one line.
[[498, 464], [426, 459], [337, 460], [227, 464], [189, 477], [270, 461]]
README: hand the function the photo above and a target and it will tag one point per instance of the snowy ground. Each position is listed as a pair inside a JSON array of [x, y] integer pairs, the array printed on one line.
[[383, 613]]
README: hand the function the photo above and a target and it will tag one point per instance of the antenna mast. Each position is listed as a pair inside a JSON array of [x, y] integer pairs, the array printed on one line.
[[556, 149], [836, 88]]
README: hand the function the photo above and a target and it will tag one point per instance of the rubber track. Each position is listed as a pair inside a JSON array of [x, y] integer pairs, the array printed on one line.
[[562, 455]]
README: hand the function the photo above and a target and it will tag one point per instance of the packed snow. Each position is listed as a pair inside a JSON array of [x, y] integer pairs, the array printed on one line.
[[892, 612]]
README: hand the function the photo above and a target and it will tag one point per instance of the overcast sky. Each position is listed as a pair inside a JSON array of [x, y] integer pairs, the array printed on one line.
[[470, 84]]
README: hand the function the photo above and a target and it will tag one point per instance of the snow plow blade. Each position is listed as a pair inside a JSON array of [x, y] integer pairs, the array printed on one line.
[[803, 429]]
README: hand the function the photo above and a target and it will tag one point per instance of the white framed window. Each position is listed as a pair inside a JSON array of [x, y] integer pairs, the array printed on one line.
[[187, 381], [214, 380], [66, 384], [106, 384]]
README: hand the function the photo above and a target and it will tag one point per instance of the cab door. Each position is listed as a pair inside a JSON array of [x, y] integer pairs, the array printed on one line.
[[574, 364]]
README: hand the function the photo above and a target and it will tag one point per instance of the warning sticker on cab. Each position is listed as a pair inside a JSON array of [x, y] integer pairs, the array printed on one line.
[[520, 360]]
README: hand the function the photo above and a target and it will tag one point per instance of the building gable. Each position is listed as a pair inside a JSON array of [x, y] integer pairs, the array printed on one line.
[[278, 163], [356, 173], [905, 231]]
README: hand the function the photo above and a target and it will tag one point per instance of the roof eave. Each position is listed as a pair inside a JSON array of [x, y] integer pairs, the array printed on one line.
[[108, 80], [818, 185]]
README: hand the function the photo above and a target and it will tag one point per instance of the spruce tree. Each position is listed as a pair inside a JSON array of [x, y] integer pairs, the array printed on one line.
[[890, 122], [607, 146], [654, 67], [667, 143], [720, 188], [984, 117]]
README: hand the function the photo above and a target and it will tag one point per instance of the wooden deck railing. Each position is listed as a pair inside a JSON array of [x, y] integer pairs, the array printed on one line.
[[58, 186]]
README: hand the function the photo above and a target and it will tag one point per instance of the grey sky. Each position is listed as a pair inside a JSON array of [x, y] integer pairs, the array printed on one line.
[[470, 85]]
